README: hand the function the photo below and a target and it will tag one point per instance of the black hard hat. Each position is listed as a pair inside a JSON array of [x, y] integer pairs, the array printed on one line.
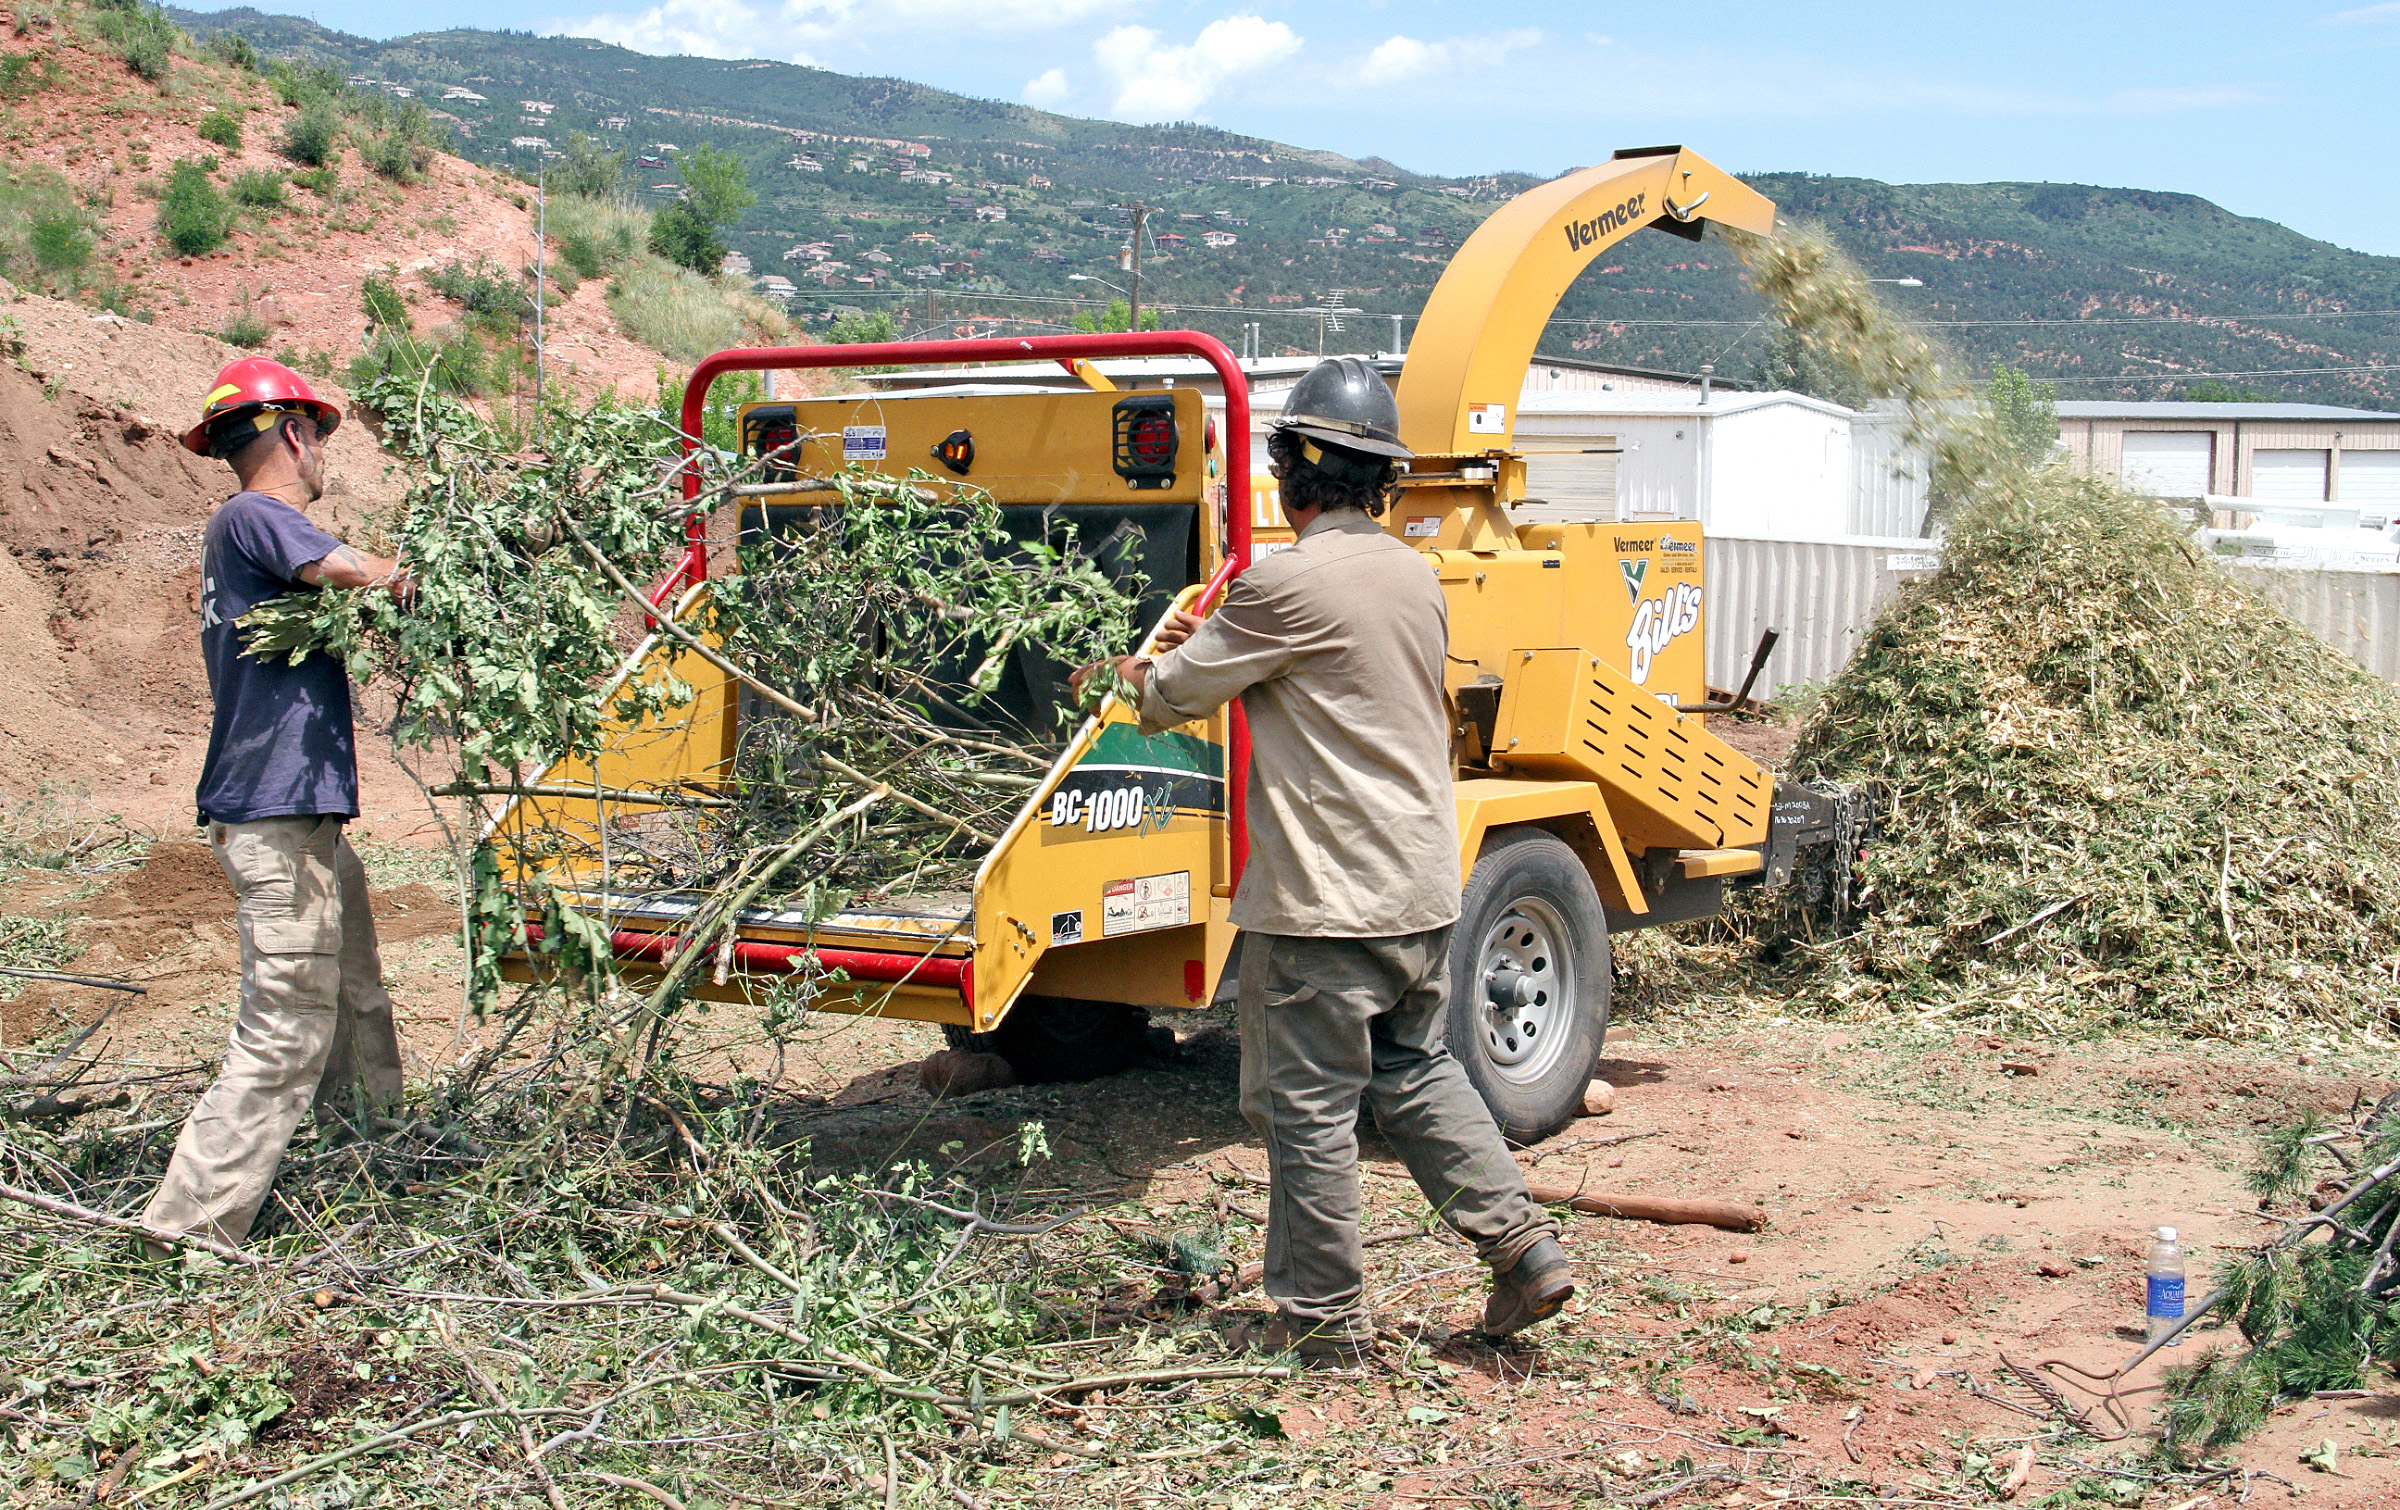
[[1345, 402]]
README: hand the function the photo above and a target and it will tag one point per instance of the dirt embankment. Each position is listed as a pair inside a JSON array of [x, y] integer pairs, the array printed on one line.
[[101, 512]]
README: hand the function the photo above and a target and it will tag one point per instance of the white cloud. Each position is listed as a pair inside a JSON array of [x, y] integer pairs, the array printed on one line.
[[1156, 82], [2389, 10], [704, 28], [1046, 89], [808, 30], [1396, 60]]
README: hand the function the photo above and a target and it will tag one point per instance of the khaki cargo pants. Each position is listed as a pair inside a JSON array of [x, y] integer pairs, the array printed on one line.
[[313, 1015], [1325, 1022]]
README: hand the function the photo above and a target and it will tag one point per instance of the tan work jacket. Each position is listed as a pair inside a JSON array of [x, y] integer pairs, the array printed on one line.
[[1335, 647]]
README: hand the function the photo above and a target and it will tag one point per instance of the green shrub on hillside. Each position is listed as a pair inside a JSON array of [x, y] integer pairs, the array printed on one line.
[[44, 234], [589, 170], [260, 188], [193, 216], [313, 138], [495, 300], [455, 361], [403, 149], [224, 127], [716, 190], [59, 242], [234, 49], [385, 309], [145, 39], [323, 180], [295, 85]]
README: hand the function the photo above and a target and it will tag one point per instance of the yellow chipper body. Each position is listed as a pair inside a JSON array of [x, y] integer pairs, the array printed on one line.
[[1592, 797]]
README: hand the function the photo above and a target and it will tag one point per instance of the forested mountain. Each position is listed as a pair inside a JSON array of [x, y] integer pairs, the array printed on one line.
[[958, 211]]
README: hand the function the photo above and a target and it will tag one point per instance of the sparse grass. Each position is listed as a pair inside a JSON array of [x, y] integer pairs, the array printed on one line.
[[457, 359], [596, 236], [45, 237], [57, 828], [245, 327], [25, 73], [677, 312]]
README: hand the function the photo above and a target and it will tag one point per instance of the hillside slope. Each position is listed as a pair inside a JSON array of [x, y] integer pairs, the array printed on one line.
[[1313, 229], [95, 147]]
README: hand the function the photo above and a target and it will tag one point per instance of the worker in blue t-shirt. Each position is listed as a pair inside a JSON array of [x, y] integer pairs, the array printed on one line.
[[280, 781]]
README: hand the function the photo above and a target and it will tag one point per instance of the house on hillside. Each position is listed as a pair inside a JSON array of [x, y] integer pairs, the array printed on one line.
[[803, 163], [736, 264], [1036, 181], [461, 93], [535, 107], [1218, 240], [528, 144], [990, 213]]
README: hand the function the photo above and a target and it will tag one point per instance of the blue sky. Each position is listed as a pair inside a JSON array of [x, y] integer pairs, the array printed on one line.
[[2291, 115]]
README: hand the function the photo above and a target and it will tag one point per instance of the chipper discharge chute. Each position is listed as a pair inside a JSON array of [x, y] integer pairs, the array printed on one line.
[[1592, 797]]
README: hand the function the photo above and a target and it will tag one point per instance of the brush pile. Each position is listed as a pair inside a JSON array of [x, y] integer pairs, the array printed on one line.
[[2118, 787]]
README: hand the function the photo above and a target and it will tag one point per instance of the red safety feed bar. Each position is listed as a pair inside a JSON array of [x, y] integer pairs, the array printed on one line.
[[1065, 350], [954, 973]]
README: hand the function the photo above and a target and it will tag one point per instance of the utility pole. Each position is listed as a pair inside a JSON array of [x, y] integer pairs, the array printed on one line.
[[1133, 261], [541, 247]]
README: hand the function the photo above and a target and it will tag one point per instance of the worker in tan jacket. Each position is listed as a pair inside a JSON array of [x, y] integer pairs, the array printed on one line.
[[314, 1026], [1335, 647]]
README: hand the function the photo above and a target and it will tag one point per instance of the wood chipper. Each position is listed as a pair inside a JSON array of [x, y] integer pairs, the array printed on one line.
[[1592, 798]]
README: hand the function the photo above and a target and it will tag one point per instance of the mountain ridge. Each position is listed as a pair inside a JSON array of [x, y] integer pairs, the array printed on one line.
[[1004, 202]]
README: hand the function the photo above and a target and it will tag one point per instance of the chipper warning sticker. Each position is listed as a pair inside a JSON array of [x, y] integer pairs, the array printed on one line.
[[863, 443], [1146, 902]]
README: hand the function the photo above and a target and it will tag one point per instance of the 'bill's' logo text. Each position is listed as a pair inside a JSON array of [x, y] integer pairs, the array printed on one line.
[[1582, 233]]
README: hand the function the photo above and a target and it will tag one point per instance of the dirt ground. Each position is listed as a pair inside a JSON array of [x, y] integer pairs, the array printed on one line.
[[1939, 1204]]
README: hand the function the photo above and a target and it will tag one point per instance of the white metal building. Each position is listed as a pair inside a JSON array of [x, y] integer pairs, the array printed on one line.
[[1778, 464]]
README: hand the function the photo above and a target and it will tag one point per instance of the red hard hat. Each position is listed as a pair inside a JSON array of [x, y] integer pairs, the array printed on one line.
[[257, 387]]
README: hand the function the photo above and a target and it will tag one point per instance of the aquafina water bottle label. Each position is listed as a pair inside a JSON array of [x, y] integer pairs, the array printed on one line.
[[2166, 1296]]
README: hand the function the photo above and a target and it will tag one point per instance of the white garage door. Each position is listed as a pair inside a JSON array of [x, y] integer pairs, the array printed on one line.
[[2169, 463], [2289, 476], [2371, 480], [1567, 480]]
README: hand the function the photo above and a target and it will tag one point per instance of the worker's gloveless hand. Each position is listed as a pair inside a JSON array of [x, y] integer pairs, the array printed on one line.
[[1175, 630], [1131, 667]]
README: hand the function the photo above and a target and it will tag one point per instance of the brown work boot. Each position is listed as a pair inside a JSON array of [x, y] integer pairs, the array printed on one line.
[[1532, 1291], [1325, 1344]]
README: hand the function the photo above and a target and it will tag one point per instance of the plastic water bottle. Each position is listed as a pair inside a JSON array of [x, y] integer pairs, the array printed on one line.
[[2166, 1285]]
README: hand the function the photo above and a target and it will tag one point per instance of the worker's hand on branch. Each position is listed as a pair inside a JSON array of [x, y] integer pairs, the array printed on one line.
[[1129, 669], [1175, 630]]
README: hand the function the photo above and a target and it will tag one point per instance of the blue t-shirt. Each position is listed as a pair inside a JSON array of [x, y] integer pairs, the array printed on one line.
[[281, 743]]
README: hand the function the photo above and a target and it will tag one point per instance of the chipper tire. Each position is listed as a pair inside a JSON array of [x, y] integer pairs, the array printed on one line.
[[1054, 1038], [1529, 982]]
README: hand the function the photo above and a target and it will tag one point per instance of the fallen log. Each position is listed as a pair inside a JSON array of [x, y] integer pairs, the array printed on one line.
[[1733, 1216]]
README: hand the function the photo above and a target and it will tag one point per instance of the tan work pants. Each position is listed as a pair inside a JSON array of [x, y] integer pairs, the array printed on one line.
[[313, 1014], [1325, 1022]]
